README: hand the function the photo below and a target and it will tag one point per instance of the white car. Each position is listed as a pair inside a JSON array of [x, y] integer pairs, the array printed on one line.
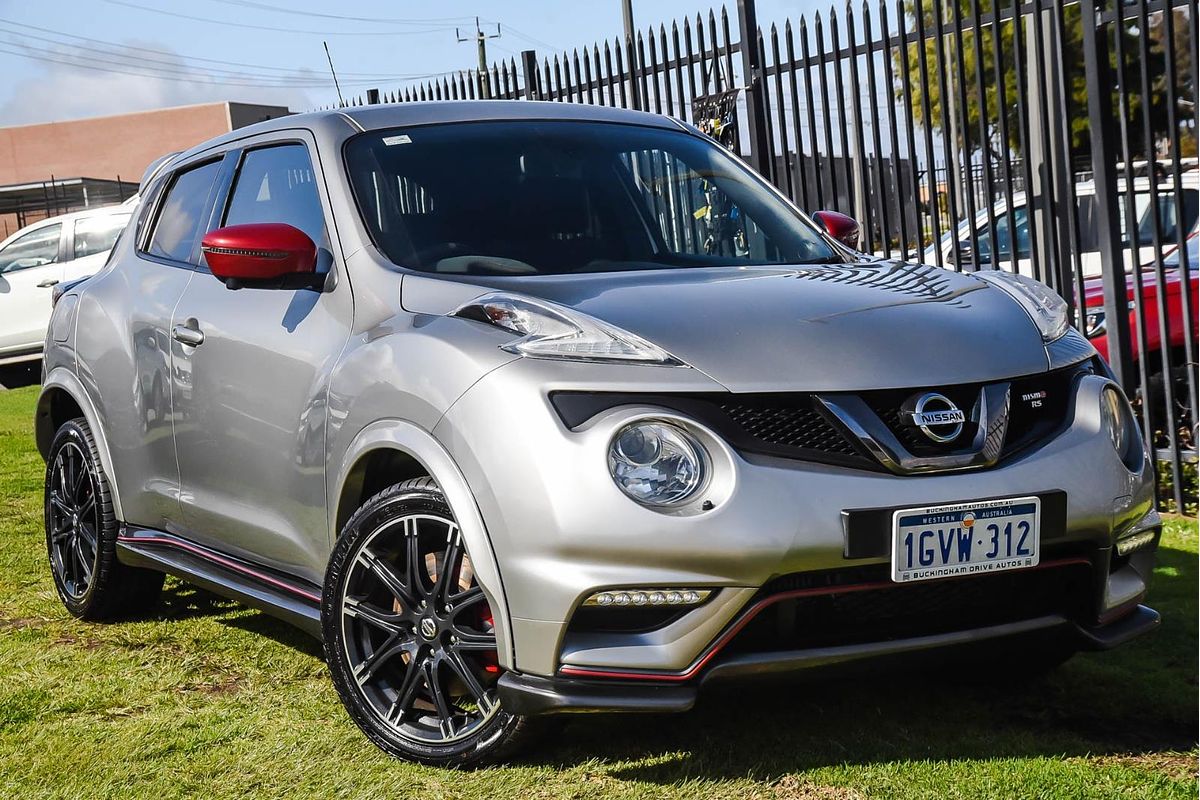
[[1085, 197], [39, 257]]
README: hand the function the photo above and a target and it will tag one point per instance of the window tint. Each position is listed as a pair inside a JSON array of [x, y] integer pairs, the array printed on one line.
[[32, 249], [182, 214], [693, 215], [554, 197], [97, 234], [276, 184]]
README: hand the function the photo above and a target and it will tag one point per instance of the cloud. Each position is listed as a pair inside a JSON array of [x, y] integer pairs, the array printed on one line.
[[57, 91]]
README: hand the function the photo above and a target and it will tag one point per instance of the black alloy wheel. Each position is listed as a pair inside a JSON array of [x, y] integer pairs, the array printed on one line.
[[81, 533], [409, 635]]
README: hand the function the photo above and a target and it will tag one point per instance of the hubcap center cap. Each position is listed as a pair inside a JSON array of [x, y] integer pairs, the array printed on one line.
[[428, 628]]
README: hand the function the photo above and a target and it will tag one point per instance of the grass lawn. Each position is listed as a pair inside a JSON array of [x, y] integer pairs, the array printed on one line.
[[211, 699]]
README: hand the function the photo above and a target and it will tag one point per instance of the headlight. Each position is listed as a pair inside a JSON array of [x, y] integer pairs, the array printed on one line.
[[548, 330], [1116, 417], [1048, 310], [1094, 323], [656, 463]]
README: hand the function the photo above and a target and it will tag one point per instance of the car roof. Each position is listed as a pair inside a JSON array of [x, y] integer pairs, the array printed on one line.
[[340, 123], [118, 210]]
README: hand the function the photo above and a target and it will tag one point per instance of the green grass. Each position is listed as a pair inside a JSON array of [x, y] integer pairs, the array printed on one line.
[[213, 700]]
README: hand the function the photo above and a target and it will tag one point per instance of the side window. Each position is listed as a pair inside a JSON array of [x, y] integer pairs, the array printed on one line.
[[1004, 237], [34, 249], [182, 214], [97, 234], [277, 184]]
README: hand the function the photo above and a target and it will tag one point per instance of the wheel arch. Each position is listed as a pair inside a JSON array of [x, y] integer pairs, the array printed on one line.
[[394, 450], [62, 398]]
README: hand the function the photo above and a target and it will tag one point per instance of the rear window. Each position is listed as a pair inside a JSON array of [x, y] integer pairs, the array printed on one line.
[[535, 198]]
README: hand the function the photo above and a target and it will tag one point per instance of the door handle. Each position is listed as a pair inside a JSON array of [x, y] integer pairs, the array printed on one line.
[[47, 283], [193, 337]]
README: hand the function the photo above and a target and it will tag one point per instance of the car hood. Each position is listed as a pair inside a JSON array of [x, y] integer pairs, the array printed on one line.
[[821, 328]]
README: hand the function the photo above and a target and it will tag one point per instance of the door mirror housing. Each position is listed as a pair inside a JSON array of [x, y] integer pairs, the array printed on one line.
[[263, 255], [840, 227]]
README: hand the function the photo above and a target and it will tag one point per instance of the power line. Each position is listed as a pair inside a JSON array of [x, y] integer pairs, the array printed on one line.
[[176, 65], [98, 65], [387, 20], [274, 28], [163, 52]]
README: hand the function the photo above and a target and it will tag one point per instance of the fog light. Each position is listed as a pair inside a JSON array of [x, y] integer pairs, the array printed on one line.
[[1136, 542], [652, 597]]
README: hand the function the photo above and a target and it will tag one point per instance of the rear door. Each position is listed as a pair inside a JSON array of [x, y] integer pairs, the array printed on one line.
[[251, 398], [30, 266]]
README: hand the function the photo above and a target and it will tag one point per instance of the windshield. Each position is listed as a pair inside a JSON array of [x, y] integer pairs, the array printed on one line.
[[530, 198]]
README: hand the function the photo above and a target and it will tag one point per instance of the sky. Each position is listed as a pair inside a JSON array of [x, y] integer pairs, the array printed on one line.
[[67, 59]]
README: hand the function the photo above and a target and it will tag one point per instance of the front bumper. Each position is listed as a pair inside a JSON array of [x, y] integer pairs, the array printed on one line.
[[533, 695], [561, 530]]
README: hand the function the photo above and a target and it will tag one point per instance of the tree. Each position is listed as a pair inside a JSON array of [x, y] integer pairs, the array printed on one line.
[[960, 92]]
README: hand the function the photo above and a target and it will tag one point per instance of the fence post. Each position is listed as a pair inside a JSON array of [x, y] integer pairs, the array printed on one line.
[[530, 68], [756, 86], [1104, 166], [372, 97]]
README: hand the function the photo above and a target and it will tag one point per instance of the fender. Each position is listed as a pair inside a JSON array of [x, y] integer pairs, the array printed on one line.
[[414, 441], [61, 378]]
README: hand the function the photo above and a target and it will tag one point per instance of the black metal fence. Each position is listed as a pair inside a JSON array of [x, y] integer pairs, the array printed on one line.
[[1049, 137]]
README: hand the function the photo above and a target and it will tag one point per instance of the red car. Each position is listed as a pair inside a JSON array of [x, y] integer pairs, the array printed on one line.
[[1095, 327]]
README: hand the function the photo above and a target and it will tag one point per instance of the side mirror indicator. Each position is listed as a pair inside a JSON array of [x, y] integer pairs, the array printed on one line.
[[266, 255]]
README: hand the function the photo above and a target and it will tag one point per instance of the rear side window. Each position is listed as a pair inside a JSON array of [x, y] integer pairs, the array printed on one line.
[[34, 249], [182, 215], [276, 184], [97, 234]]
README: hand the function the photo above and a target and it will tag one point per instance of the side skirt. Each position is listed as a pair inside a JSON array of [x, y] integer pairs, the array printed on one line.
[[289, 598]]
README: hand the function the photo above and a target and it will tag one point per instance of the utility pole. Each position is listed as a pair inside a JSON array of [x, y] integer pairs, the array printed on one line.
[[485, 86], [631, 50]]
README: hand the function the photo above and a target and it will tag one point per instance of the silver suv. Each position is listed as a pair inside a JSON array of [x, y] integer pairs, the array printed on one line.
[[531, 408]]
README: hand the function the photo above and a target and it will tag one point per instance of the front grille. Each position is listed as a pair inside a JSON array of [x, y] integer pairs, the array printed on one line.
[[903, 611], [788, 421], [795, 425]]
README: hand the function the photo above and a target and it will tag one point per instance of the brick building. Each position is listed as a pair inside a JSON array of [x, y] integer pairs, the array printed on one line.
[[55, 167]]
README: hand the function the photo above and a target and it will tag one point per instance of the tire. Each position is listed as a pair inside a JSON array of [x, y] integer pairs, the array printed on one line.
[[81, 534], [422, 647]]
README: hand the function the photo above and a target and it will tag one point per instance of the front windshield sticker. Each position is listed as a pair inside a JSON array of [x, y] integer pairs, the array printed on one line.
[[401, 139]]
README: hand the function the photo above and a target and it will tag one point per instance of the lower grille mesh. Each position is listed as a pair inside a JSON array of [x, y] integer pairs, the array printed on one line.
[[902, 611]]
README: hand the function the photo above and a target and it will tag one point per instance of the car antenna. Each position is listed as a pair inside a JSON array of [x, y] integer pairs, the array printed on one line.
[[329, 58]]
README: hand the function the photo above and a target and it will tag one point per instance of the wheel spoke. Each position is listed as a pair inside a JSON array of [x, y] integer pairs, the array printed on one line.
[[406, 695], [88, 505], [84, 563], [384, 573], [464, 600], [465, 674], [394, 645], [448, 574], [81, 479], [373, 615], [414, 564], [88, 534], [472, 641], [59, 504], [440, 702]]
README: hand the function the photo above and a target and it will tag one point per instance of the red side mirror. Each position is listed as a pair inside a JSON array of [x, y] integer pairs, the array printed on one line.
[[265, 255], [840, 227]]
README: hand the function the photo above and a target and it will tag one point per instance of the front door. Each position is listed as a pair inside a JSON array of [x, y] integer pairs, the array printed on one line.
[[29, 269], [250, 426]]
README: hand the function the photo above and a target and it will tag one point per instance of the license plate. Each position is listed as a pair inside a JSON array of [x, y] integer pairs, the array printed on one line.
[[965, 538]]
